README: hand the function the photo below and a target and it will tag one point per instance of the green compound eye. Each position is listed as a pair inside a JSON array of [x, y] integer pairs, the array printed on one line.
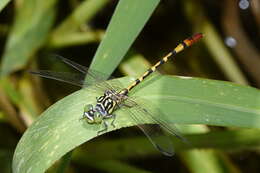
[[87, 107]]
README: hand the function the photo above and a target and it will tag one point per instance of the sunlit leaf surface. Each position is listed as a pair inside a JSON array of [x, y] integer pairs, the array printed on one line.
[[183, 100]]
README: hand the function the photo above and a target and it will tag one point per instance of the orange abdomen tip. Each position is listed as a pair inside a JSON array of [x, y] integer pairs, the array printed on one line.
[[197, 37], [193, 39]]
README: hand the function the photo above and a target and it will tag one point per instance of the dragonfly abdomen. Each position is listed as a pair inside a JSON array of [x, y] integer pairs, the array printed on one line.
[[180, 47]]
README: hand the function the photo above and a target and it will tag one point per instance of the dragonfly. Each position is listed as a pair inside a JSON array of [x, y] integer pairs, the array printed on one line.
[[114, 98]]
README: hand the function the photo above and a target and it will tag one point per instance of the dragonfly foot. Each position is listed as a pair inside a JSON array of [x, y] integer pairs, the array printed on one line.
[[113, 121], [105, 128]]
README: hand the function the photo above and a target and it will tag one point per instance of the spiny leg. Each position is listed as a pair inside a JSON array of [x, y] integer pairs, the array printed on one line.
[[105, 127], [113, 116], [113, 121]]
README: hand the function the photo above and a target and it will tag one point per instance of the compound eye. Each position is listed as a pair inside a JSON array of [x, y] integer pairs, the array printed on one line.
[[96, 114], [88, 107], [89, 115], [97, 117]]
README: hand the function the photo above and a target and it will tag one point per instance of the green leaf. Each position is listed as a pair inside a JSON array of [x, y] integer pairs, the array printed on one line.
[[129, 18], [81, 15], [183, 100], [30, 29], [69, 32], [3, 3]]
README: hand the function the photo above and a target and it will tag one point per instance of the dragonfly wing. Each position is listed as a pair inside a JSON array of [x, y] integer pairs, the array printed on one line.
[[154, 132], [95, 78], [76, 79], [158, 138], [72, 78], [73, 64], [143, 108]]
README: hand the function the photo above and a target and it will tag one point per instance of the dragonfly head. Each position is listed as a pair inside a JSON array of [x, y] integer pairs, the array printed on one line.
[[92, 116]]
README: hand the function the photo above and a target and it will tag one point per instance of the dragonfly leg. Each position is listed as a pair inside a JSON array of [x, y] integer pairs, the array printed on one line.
[[113, 121], [105, 127], [113, 116]]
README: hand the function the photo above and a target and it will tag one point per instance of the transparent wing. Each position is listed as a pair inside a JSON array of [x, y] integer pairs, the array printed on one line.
[[142, 107], [71, 78], [73, 64], [158, 138], [78, 79], [155, 132]]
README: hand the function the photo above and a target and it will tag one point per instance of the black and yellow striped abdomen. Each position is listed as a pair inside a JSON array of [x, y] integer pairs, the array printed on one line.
[[180, 47]]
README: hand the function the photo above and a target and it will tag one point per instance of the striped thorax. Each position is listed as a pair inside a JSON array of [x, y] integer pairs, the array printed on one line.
[[106, 105]]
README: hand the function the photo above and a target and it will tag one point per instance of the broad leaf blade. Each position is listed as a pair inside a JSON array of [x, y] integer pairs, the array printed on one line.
[[187, 101]]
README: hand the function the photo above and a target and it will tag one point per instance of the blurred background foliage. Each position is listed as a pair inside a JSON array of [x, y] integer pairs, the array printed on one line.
[[32, 30]]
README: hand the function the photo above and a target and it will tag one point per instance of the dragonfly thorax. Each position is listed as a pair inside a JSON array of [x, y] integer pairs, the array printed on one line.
[[105, 106]]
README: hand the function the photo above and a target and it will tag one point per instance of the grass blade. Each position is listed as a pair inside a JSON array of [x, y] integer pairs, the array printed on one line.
[[129, 18], [58, 130], [29, 31], [3, 3]]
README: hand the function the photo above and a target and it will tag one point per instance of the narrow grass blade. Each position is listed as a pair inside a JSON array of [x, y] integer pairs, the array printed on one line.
[[3, 3], [28, 33], [128, 19], [81, 15]]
